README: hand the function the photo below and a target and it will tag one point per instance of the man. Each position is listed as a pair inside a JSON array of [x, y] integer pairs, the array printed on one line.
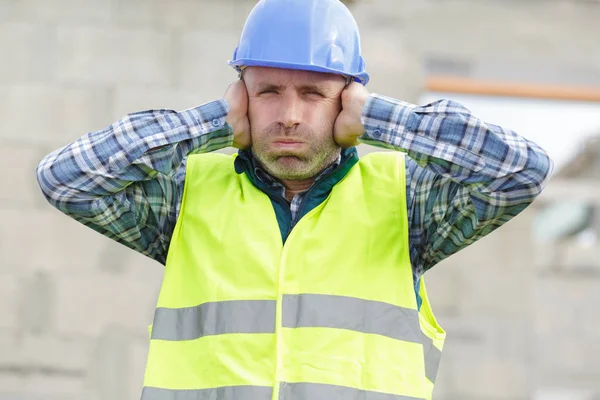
[[294, 269]]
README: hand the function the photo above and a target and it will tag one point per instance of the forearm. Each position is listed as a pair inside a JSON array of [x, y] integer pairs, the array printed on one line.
[[498, 166], [465, 178], [136, 148], [126, 181]]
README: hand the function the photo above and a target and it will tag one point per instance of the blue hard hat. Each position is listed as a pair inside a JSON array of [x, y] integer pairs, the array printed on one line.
[[312, 35]]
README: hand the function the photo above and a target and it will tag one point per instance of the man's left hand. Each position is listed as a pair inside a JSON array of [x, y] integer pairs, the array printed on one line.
[[348, 126]]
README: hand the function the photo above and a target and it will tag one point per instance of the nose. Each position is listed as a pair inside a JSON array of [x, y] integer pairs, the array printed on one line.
[[290, 111]]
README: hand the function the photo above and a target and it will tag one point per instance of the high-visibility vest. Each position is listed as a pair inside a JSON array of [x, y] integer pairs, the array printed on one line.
[[330, 314]]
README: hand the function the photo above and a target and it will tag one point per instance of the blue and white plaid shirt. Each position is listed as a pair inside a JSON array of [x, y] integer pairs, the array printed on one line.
[[465, 178]]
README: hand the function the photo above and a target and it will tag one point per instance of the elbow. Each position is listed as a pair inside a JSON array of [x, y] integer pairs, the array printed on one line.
[[53, 180], [540, 170], [525, 185], [43, 173], [530, 181], [61, 181]]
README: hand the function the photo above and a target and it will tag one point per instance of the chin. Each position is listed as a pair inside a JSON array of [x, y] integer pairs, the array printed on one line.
[[291, 160], [287, 167]]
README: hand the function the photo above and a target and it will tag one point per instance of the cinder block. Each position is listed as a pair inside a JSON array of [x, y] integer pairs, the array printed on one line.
[[33, 366], [128, 99], [386, 15], [176, 14], [530, 32], [65, 245], [38, 299], [436, 20], [389, 55], [492, 379], [110, 371], [508, 248], [388, 58], [566, 326], [18, 40], [483, 354], [204, 56], [32, 49], [493, 291], [50, 380], [493, 276], [39, 354], [142, 268], [577, 258], [139, 355], [555, 392], [96, 55], [569, 258], [117, 259], [505, 339], [51, 115], [241, 10], [88, 305], [19, 184], [444, 283], [47, 396], [60, 243], [11, 380], [80, 11], [5, 13], [9, 300], [487, 336]]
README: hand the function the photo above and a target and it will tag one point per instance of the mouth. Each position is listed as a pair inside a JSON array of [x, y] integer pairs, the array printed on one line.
[[287, 144]]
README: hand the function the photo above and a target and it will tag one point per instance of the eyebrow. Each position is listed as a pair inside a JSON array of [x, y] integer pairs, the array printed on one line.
[[268, 86], [304, 88]]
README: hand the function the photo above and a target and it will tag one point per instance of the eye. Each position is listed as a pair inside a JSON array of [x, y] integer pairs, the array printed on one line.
[[314, 93], [266, 91]]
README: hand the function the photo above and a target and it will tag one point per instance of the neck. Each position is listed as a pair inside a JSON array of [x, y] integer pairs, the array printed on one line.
[[292, 188]]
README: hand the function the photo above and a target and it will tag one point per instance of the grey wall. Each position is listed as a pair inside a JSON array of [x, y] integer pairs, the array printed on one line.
[[74, 307]]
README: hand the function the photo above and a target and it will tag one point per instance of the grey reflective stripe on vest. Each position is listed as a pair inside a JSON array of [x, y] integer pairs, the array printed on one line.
[[237, 316], [318, 391], [367, 316], [221, 393], [433, 355], [299, 311]]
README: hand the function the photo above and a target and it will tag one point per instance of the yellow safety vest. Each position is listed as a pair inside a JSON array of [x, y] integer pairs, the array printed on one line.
[[330, 314]]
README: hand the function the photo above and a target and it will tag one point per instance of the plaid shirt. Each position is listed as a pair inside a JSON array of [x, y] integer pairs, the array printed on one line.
[[465, 178]]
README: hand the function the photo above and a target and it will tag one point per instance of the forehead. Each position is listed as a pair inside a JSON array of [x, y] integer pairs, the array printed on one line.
[[279, 76]]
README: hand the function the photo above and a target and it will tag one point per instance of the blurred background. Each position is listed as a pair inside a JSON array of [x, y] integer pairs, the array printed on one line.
[[520, 307]]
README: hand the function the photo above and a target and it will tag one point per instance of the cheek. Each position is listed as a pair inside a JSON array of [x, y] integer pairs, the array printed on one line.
[[260, 115], [323, 115]]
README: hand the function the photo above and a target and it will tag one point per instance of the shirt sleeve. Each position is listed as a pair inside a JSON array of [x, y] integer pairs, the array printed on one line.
[[465, 177], [126, 181]]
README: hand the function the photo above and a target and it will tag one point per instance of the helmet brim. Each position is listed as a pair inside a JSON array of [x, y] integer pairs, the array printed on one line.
[[362, 78]]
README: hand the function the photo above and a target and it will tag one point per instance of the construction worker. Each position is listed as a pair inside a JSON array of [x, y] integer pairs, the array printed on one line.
[[294, 269]]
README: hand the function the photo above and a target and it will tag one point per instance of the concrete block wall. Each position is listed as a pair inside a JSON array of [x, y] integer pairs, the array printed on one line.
[[74, 307]]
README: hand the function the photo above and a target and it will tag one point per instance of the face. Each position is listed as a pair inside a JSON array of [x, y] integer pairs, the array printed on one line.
[[291, 115]]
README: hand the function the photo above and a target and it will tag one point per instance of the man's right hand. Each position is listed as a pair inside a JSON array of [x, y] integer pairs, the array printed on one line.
[[236, 97]]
